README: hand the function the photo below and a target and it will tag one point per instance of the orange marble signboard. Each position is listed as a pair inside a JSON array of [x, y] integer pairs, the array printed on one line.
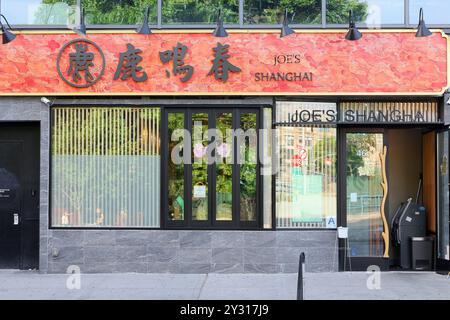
[[310, 63]]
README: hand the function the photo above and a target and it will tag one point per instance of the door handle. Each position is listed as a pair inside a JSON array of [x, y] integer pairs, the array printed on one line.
[[16, 219]]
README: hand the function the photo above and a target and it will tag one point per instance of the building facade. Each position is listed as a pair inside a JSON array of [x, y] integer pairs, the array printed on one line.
[[182, 152]]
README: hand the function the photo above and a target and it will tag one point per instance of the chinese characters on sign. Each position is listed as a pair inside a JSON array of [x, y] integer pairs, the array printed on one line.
[[177, 57], [221, 66], [81, 61], [128, 65], [84, 63], [82, 55]]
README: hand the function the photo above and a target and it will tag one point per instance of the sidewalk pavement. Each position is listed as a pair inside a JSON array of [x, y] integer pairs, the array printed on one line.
[[324, 286]]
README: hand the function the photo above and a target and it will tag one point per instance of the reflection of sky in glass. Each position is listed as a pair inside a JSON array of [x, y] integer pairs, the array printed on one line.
[[435, 11], [25, 12], [384, 12]]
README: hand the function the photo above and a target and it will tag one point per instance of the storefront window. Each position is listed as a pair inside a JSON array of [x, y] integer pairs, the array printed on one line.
[[176, 170], [39, 12], [306, 182], [267, 169], [105, 167], [217, 183], [248, 167], [370, 12], [435, 11], [272, 12], [200, 170], [224, 170], [118, 11], [199, 12], [305, 185]]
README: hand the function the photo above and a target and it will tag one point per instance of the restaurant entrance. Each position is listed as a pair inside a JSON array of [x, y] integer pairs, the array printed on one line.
[[364, 192], [380, 170]]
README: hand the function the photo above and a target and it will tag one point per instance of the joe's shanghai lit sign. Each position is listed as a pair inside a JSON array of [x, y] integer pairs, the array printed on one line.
[[394, 115], [383, 63], [292, 112]]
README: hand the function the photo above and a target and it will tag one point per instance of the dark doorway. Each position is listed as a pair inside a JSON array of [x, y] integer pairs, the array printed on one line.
[[19, 195], [218, 194], [410, 174]]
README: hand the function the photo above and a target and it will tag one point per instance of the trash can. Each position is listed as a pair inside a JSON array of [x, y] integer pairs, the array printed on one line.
[[422, 253]]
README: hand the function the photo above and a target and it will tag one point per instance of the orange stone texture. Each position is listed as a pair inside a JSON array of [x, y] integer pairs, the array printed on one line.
[[381, 62]]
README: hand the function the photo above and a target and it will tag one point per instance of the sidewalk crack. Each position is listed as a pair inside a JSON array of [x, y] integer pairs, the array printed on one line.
[[202, 286]]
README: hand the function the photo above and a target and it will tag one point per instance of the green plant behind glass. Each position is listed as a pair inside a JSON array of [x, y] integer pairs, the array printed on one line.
[[205, 11]]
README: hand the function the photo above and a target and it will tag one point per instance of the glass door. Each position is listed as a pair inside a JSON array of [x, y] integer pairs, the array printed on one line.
[[223, 168], [212, 171], [363, 199], [199, 173], [443, 218]]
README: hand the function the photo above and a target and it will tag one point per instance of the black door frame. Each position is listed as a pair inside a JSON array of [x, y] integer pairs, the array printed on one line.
[[17, 229], [356, 263], [442, 266], [188, 223]]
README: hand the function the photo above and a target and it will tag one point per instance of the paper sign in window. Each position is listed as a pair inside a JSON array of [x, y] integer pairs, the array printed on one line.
[[199, 191]]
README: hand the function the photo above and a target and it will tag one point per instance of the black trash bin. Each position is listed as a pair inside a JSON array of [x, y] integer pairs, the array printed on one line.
[[422, 253]]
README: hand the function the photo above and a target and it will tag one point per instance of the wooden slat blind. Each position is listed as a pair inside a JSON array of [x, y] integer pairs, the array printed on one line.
[[105, 167]]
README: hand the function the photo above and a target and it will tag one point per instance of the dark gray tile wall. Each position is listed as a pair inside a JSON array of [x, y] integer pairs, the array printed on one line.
[[170, 251], [164, 250]]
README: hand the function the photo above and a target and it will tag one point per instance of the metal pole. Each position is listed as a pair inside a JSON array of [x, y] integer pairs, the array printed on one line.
[[301, 269], [241, 13], [159, 14]]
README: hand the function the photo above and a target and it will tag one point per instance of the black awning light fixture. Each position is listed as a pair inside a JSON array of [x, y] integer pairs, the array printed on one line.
[[422, 29], [285, 29], [7, 35], [145, 29], [353, 33], [220, 30], [81, 28]]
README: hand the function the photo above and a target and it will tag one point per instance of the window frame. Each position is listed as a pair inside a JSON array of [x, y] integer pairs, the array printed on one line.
[[275, 125], [162, 103], [188, 223], [75, 104]]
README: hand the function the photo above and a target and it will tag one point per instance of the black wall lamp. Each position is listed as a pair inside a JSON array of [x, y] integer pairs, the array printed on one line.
[[7, 35], [353, 32], [145, 29], [81, 29], [285, 29], [422, 29], [220, 30]]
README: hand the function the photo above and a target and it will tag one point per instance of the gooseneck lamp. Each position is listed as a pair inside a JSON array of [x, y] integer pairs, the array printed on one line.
[[422, 29], [145, 29], [353, 33], [7, 35], [220, 30], [285, 29]]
